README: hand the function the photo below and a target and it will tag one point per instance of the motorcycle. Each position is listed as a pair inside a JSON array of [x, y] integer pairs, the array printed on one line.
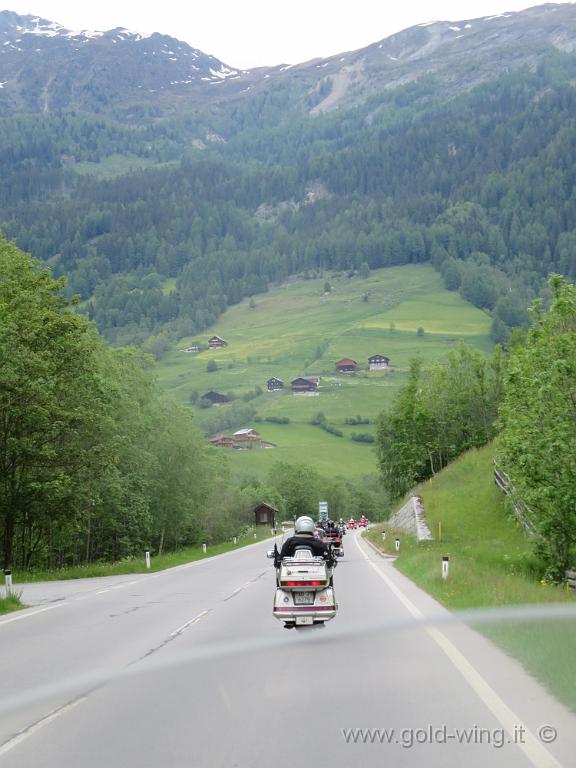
[[334, 538], [304, 592]]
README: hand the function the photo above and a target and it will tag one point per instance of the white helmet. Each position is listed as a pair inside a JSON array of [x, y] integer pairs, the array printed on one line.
[[305, 524]]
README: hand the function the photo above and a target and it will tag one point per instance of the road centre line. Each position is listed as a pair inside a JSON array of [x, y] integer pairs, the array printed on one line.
[[35, 727], [25, 614], [189, 623], [536, 753]]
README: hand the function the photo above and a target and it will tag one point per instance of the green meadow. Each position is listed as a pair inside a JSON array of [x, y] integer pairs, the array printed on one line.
[[299, 329]]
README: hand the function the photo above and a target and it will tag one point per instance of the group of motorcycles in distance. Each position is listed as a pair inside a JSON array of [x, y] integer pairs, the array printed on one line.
[[333, 533], [304, 572]]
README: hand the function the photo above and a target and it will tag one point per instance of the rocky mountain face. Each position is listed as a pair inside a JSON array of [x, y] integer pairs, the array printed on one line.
[[458, 55], [45, 67]]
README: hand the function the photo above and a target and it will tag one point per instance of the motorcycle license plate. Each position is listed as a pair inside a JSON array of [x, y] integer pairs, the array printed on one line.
[[303, 598], [304, 620]]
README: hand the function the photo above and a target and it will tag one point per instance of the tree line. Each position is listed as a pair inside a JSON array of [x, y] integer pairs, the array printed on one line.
[[481, 186], [97, 462], [525, 399]]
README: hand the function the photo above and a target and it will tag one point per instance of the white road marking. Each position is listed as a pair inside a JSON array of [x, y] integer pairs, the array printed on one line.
[[531, 746], [187, 624], [102, 591], [21, 616], [32, 729]]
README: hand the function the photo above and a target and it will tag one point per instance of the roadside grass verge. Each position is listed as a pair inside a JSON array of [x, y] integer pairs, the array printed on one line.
[[10, 603], [138, 564], [491, 564]]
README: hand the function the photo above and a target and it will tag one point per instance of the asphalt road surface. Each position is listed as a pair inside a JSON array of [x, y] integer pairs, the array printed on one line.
[[188, 669]]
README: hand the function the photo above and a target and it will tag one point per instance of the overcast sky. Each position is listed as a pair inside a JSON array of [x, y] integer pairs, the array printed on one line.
[[249, 33]]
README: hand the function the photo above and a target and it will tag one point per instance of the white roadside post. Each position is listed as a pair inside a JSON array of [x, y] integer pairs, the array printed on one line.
[[445, 566], [255, 535], [235, 540], [383, 535], [148, 562], [397, 544], [204, 548], [8, 582]]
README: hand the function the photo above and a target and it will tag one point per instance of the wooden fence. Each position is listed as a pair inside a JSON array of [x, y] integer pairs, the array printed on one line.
[[521, 509]]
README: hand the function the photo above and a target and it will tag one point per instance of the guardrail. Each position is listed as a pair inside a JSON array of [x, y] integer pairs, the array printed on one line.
[[522, 511]]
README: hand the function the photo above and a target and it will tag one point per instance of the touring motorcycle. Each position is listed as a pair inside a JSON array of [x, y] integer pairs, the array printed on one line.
[[304, 591]]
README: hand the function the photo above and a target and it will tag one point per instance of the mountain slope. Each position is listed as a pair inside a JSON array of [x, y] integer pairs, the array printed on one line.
[[46, 67], [428, 152]]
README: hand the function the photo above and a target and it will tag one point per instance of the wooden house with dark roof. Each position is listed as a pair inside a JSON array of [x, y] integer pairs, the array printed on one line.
[[216, 398], [378, 362], [346, 365], [304, 385], [216, 342], [274, 384], [264, 514]]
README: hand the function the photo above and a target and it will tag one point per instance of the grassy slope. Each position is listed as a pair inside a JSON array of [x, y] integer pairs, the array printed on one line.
[[489, 566], [297, 329], [116, 165]]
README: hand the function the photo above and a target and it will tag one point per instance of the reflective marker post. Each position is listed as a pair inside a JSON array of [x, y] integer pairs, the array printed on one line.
[[148, 563], [204, 548], [397, 543], [235, 540], [8, 580], [383, 535], [445, 566]]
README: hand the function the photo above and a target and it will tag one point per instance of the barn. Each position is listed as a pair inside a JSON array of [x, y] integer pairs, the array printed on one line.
[[378, 362], [304, 385], [264, 514], [346, 365], [216, 342], [274, 384]]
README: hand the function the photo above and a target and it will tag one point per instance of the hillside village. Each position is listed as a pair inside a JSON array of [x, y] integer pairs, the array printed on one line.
[[308, 384]]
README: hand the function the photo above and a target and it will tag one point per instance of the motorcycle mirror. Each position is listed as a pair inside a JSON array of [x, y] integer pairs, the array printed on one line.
[[270, 553]]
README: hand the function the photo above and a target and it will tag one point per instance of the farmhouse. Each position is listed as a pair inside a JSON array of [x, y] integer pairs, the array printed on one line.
[[222, 441], [274, 384], [378, 362], [215, 342], [246, 436], [346, 365], [264, 514], [216, 398], [305, 385]]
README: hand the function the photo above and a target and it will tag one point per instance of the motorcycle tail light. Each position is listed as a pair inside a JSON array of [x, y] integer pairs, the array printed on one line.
[[314, 583]]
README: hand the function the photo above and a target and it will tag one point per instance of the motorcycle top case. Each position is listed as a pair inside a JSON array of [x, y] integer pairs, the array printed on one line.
[[312, 575]]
